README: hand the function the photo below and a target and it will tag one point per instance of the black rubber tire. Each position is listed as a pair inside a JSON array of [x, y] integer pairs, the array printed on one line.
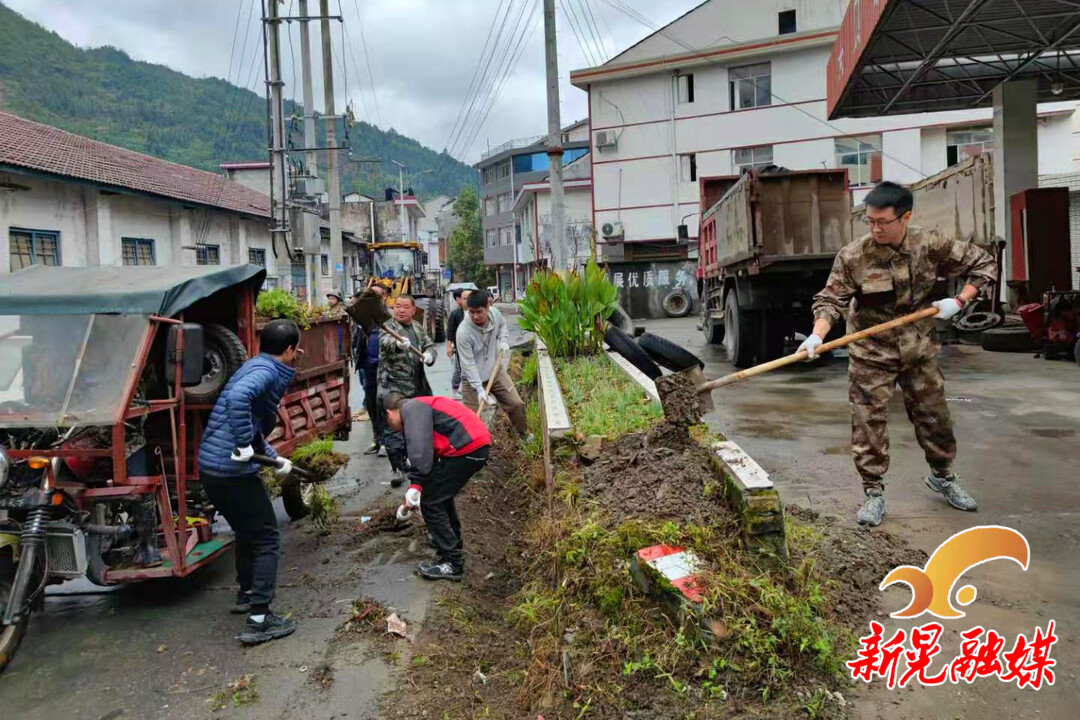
[[740, 333], [1076, 352], [677, 304], [223, 354], [439, 328], [668, 354], [623, 344], [713, 328], [292, 497], [11, 636], [621, 319], [1008, 339]]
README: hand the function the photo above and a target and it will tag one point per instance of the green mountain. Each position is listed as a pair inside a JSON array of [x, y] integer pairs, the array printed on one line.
[[105, 95]]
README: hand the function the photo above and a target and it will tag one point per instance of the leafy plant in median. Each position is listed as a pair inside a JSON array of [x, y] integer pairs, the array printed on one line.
[[568, 313]]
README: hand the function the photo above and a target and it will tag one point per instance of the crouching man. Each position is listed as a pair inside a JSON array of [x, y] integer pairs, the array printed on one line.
[[447, 444], [244, 414]]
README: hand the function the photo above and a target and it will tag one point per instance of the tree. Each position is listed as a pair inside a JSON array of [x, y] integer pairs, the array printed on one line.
[[467, 242]]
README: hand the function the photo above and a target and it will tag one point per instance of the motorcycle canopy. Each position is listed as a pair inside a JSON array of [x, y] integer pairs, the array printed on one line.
[[165, 291]]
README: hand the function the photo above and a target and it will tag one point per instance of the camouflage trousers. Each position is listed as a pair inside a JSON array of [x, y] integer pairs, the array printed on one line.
[[870, 388]]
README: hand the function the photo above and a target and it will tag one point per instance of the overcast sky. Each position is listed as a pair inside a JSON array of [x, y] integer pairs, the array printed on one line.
[[423, 53]]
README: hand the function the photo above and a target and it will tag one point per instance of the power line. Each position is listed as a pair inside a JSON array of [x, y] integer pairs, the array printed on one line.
[[587, 4], [571, 20], [635, 15]]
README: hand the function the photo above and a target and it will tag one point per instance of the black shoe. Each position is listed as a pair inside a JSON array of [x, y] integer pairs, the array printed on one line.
[[398, 479], [243, 603], [441, 571], [373, 449], [271, 628]]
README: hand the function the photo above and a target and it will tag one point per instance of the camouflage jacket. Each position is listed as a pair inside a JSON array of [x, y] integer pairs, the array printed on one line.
[[399, 370], [873, 283]]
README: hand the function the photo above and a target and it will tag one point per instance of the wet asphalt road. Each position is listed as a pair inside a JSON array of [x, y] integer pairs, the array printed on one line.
[[1017, 422]]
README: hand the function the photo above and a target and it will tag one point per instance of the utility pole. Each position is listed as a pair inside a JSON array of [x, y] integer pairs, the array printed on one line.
[[554, 142], [279, 223], [309, 223], [337, 251]]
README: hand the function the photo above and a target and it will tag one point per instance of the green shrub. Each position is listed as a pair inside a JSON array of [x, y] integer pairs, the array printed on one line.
[[568, 313], [277, 303]]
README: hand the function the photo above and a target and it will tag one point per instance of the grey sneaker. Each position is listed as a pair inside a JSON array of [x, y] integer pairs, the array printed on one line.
[[873, 509], [949, 486]]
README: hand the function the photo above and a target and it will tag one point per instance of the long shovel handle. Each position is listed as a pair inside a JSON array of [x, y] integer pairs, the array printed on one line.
[[490, 382], [267, 461], [401, 338], [826, 347]]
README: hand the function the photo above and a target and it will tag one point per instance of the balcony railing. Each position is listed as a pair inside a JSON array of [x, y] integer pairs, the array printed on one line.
[[512, 145]]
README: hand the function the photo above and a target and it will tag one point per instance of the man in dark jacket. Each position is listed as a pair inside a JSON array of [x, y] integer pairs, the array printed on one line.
[[244, 414], [461, 295], [447, 445]]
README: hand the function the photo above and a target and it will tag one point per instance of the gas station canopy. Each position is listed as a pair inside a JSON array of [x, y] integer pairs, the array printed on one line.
[[907, 56]]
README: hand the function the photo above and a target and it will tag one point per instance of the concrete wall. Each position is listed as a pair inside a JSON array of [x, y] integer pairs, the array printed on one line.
[[637, 182], [92, 224]]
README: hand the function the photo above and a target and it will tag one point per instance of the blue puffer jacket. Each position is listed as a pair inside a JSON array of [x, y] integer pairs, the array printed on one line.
[[244, 414]]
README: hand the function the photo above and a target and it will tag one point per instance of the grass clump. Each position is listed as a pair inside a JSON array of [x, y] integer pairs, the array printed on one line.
[[602, 400], [239, 692], [277, 303], [319, 459], [529, 369]]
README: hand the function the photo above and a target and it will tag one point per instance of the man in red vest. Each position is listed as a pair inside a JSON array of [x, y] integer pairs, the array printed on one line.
[[447, 444]]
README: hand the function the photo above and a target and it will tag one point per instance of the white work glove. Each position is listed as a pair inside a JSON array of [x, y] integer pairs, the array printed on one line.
[[242, 454], [810, 345], [483, 398], [429, 358], [504, 348], [412, 497], [404, 512], [947, 308], [404, 344], [284, 467]]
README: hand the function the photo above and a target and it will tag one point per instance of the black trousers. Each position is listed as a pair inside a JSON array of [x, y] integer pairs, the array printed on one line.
[[447, 478], [374, 409], [244, 502]]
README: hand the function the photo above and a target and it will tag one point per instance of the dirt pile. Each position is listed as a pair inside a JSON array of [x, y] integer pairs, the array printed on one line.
[[679, 396], [323, 466], [659, 474]]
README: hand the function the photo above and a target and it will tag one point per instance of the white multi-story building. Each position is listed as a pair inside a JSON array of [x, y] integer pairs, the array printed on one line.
[[733, 84]]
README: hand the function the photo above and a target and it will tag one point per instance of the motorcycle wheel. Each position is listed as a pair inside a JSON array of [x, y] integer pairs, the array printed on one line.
[[10, 636]]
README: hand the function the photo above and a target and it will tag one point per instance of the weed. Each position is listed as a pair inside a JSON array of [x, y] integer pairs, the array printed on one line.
[[239, 692], [419, 660], [529, 370]]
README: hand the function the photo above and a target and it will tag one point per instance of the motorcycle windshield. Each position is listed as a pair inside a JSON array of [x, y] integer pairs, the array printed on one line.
[[66, 370]]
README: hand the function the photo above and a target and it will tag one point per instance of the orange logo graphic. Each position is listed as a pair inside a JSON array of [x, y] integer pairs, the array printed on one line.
[[932, 586]]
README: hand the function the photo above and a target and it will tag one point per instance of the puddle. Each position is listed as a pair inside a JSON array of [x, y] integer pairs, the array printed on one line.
[[1054, 433]]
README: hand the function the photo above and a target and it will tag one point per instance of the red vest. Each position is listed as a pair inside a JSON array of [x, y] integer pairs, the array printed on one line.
[[457, 430]]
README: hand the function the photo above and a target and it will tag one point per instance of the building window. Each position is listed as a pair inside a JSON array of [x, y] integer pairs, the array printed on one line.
[[490, 206], [686, 87], [751, 86], [861, 156], [325, 261], [137, 251], [506, 235], [506, 202], [208, 255], [753, 157], [299, 278], [490, 237], [496, 173], [787, 22], [688, 168], [964, 143], [257, 256], [34, 247]]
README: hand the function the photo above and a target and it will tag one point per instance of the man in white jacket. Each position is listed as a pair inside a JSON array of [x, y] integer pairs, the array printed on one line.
[[481, 336]]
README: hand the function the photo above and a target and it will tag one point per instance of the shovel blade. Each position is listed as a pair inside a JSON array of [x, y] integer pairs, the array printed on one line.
[[368, 311], [679, 395]]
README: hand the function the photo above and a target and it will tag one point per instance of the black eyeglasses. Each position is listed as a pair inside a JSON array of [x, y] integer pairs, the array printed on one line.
[[870, 222]]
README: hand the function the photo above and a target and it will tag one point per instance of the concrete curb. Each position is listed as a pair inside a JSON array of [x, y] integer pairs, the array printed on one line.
[[554, 417]]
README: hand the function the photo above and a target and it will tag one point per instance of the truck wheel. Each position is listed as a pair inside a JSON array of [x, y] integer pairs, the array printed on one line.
[[11, 635], [438, 330], [677, 304], [623, 344], [664, 352], [740, 333], [1008, 339], [713, 329], [294, 498], [223, 354]]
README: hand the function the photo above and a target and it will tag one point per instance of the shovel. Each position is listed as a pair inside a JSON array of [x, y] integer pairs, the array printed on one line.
[[686, 396], [481, 408]]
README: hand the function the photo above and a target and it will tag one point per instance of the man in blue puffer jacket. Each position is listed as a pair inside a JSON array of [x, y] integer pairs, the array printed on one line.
[[244, 414]]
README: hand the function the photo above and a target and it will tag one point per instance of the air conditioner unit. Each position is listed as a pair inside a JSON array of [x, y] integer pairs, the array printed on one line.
[[612, 230], [605, 139]]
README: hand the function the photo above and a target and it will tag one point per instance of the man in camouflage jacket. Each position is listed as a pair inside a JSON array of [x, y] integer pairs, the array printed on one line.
[[881, 276], [402, 371]]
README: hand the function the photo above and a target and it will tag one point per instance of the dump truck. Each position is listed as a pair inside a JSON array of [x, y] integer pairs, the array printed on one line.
[[767, 242]]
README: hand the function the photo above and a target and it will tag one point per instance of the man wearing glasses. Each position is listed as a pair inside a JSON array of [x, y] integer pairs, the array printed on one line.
[[886, 274]]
